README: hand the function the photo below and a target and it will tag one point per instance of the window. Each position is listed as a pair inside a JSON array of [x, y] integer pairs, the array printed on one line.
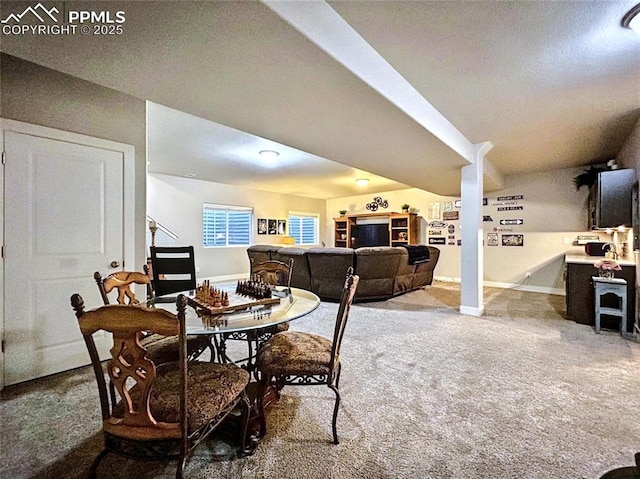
[[304, 228], [226, 225]]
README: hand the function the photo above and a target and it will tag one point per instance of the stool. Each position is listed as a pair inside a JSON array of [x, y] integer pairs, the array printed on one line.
[[617, 287]]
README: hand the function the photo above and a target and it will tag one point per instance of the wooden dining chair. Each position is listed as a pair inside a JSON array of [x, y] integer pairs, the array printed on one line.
[[161, 349], [274, 273], [173, 268], [160, 411], [295, 358]]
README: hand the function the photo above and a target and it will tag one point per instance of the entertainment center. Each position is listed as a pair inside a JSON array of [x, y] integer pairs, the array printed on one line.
[[376, 229]]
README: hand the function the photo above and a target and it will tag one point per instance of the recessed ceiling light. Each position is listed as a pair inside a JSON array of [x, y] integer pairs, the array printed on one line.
[[190, 175], [362, 181], [269, 154], [632, 19]]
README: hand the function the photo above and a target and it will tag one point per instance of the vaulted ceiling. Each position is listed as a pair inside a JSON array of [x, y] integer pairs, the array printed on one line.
[[551, 84]]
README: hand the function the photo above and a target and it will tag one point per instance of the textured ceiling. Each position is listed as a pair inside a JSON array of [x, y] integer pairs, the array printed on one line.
[[550, 84]]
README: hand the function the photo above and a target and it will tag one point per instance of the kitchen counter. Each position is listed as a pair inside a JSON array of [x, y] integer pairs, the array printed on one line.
[[580, 293], [584, 259]]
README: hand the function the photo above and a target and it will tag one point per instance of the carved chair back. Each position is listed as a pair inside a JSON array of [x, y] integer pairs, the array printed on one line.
[[129, 369], [346, 300], [273, 272], [121, 281]]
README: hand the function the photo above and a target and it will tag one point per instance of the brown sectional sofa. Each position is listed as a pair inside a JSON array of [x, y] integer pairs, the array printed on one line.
[[384, 271]]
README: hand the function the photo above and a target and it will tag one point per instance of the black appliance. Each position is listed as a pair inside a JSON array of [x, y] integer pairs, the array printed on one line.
[[596, 248]]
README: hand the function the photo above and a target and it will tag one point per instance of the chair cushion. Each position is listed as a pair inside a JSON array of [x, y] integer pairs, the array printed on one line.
[[166, 349], [295, 353], [211, 387]]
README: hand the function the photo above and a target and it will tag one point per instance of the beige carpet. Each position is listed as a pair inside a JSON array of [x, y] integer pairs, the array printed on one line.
[[427, 393]]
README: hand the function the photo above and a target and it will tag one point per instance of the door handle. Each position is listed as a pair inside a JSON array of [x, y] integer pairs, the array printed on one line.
[[115, 264]]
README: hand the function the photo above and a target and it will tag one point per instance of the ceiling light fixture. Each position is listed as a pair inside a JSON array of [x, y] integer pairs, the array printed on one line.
[[632, 19], [269, 154], [362, 181]]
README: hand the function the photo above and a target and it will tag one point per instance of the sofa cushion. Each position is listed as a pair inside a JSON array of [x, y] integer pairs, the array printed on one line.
[[262, 252], [424, 271], [377, 267], [328, 267], [300, 277], [403, 281]]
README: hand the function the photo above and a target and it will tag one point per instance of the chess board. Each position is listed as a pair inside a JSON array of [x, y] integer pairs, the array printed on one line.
[[237, 302]]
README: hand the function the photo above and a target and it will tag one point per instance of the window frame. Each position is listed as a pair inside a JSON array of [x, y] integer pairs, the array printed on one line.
[[227, 209], [305, 214]]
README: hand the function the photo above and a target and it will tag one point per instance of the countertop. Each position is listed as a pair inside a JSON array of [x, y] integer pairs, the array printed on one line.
[[584, 259]]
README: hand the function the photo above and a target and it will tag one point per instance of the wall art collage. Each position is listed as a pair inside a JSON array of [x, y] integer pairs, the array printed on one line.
[[272, 227], [503, 211]]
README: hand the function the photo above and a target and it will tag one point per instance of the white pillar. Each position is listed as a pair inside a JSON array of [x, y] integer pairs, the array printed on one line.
[[472, 269]]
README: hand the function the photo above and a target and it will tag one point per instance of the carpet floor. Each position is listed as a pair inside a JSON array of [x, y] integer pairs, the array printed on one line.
[[427, 393]]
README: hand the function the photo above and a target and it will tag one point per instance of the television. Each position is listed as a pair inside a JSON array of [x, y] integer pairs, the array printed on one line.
[[376, 234]]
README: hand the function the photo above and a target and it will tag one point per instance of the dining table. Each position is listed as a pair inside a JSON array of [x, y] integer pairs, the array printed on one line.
[[244, 315]]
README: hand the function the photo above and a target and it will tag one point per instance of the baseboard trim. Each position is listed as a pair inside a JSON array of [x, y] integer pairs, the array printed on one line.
[[472, 311], [520, 287]]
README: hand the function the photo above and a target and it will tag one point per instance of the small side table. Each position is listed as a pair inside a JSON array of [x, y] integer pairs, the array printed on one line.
[[617, 287]]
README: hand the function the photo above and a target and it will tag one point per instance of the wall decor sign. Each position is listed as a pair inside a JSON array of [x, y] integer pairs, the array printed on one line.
[[273, 227], [437, 240], [437, 224], [510, 198], [435, 232], [451, 237], [487, 218], [447, 206], [450, 215], [262, 226], [492, 239], [459, 242], [282, 227], [451, 242], [505, 203], [377, 203], [458, 203], [518, 221], [451, 229], [510, 208], [502, 228], [513, 240], [434, 211]]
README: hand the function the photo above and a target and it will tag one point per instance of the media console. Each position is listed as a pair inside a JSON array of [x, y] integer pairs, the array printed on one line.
[[376, 229]]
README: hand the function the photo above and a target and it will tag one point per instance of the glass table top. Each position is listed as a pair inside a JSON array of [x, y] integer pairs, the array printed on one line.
[[293, 305]]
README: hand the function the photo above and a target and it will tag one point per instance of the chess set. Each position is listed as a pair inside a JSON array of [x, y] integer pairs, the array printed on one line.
[[211, 300]]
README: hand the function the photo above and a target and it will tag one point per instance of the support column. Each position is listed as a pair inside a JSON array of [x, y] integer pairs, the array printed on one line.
[[472, 269]]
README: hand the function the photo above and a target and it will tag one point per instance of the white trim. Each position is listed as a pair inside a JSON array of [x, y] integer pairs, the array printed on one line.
[[519, 287], [470, 311]]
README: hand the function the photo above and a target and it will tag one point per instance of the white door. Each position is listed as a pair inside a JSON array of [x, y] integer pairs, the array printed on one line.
[[63, 221]]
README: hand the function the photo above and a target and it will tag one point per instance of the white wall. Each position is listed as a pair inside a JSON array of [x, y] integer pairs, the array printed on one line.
[[629, 156], [177, 204], [553, 213]]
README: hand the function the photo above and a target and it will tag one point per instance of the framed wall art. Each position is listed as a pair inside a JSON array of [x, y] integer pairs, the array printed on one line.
[[262, 226]]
